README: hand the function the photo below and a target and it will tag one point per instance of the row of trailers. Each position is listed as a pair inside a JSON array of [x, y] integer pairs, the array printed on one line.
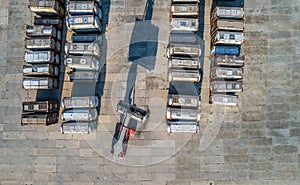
[[183, 52], [227, 25], [41, 69], [81, 60], [82, 51], [80, 113]]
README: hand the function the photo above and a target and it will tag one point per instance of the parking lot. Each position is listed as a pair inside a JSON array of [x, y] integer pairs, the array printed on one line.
[[256, 142]]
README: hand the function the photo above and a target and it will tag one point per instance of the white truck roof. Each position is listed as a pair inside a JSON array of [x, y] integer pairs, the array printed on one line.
[[226, 86], [227, 37], [227, 12], [224, 99], [185, 24], [79, 114], [183, 114], [40, 83], [82, 62], [182, 62], [80, 102], [227, 60], [185, 9], [183, 100], [37, 57], [77, 127], [83, 49], [184, 75], [182, 126], [226, 73]]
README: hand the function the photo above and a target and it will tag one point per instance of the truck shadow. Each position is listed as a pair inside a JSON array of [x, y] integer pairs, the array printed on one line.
[[142, 49]]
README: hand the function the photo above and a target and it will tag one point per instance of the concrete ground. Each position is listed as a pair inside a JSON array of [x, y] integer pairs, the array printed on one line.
[[257, 142]]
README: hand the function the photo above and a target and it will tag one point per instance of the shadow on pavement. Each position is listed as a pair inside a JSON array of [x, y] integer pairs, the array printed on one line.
[[143, 47]]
